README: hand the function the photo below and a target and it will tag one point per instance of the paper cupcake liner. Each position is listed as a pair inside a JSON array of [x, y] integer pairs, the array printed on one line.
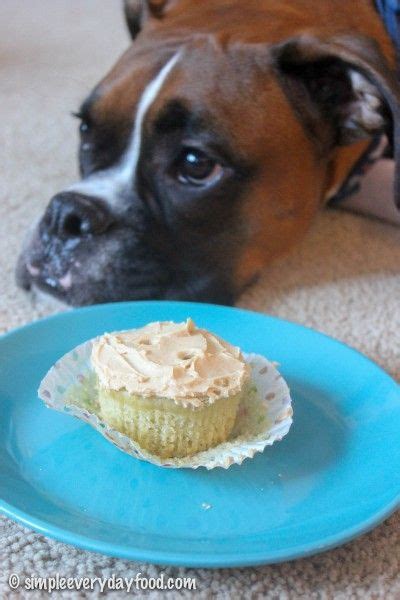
[[264, 415]]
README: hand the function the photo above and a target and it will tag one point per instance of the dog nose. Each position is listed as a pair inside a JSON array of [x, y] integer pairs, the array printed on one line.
[[73, 215]]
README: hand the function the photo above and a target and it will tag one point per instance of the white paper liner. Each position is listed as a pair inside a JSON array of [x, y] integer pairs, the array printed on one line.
[[264, 416]]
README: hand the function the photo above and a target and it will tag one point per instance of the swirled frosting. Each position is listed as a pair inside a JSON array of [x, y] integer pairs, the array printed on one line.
[[171, 360]]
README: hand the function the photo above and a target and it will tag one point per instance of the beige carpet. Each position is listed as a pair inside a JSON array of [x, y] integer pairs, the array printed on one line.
[[343, 280]]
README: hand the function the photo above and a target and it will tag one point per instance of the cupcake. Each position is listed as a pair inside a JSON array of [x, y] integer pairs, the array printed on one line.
[[173, 388]]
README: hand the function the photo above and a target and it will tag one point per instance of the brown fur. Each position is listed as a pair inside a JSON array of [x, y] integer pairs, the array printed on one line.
[[284, 95], [276, 216]]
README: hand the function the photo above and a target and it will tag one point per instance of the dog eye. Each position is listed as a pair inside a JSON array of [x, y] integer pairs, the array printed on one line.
[[84, 126], [196, 168]]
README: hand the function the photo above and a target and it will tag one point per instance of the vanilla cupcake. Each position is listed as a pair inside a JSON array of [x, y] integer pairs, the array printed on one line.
[[171, 387]]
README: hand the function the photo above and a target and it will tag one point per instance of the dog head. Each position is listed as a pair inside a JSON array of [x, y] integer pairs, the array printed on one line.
[[204, 154]]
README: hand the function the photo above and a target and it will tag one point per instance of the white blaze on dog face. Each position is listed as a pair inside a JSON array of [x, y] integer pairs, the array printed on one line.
[[109, 183]]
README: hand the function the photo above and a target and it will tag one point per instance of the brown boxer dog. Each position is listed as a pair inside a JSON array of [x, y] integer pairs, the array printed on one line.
[[209, 147]]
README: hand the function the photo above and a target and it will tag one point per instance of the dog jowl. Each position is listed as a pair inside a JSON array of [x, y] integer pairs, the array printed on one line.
[[209, 147]]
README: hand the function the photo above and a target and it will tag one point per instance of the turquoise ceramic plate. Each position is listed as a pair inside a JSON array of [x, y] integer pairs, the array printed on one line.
[[335, 475]]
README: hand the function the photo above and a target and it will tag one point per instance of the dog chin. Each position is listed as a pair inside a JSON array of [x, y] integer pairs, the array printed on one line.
[[62, 292], [69, 290]]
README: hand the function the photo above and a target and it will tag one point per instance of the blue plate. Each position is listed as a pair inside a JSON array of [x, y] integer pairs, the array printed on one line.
[[335, 475]]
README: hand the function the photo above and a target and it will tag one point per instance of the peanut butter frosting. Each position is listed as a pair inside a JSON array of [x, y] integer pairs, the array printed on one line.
[[170, 360]]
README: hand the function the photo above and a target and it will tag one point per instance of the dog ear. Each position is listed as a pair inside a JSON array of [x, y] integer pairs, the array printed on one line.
[[137, 11], [343, 89]]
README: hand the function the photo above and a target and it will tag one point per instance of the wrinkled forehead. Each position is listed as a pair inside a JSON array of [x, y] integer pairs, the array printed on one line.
[[119, 91], [225, 90]]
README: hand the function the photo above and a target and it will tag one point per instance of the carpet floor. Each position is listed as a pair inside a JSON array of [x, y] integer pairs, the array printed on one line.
[[344, 280]]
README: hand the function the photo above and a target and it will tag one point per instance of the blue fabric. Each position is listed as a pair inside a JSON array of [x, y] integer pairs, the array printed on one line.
[[390, 13]]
